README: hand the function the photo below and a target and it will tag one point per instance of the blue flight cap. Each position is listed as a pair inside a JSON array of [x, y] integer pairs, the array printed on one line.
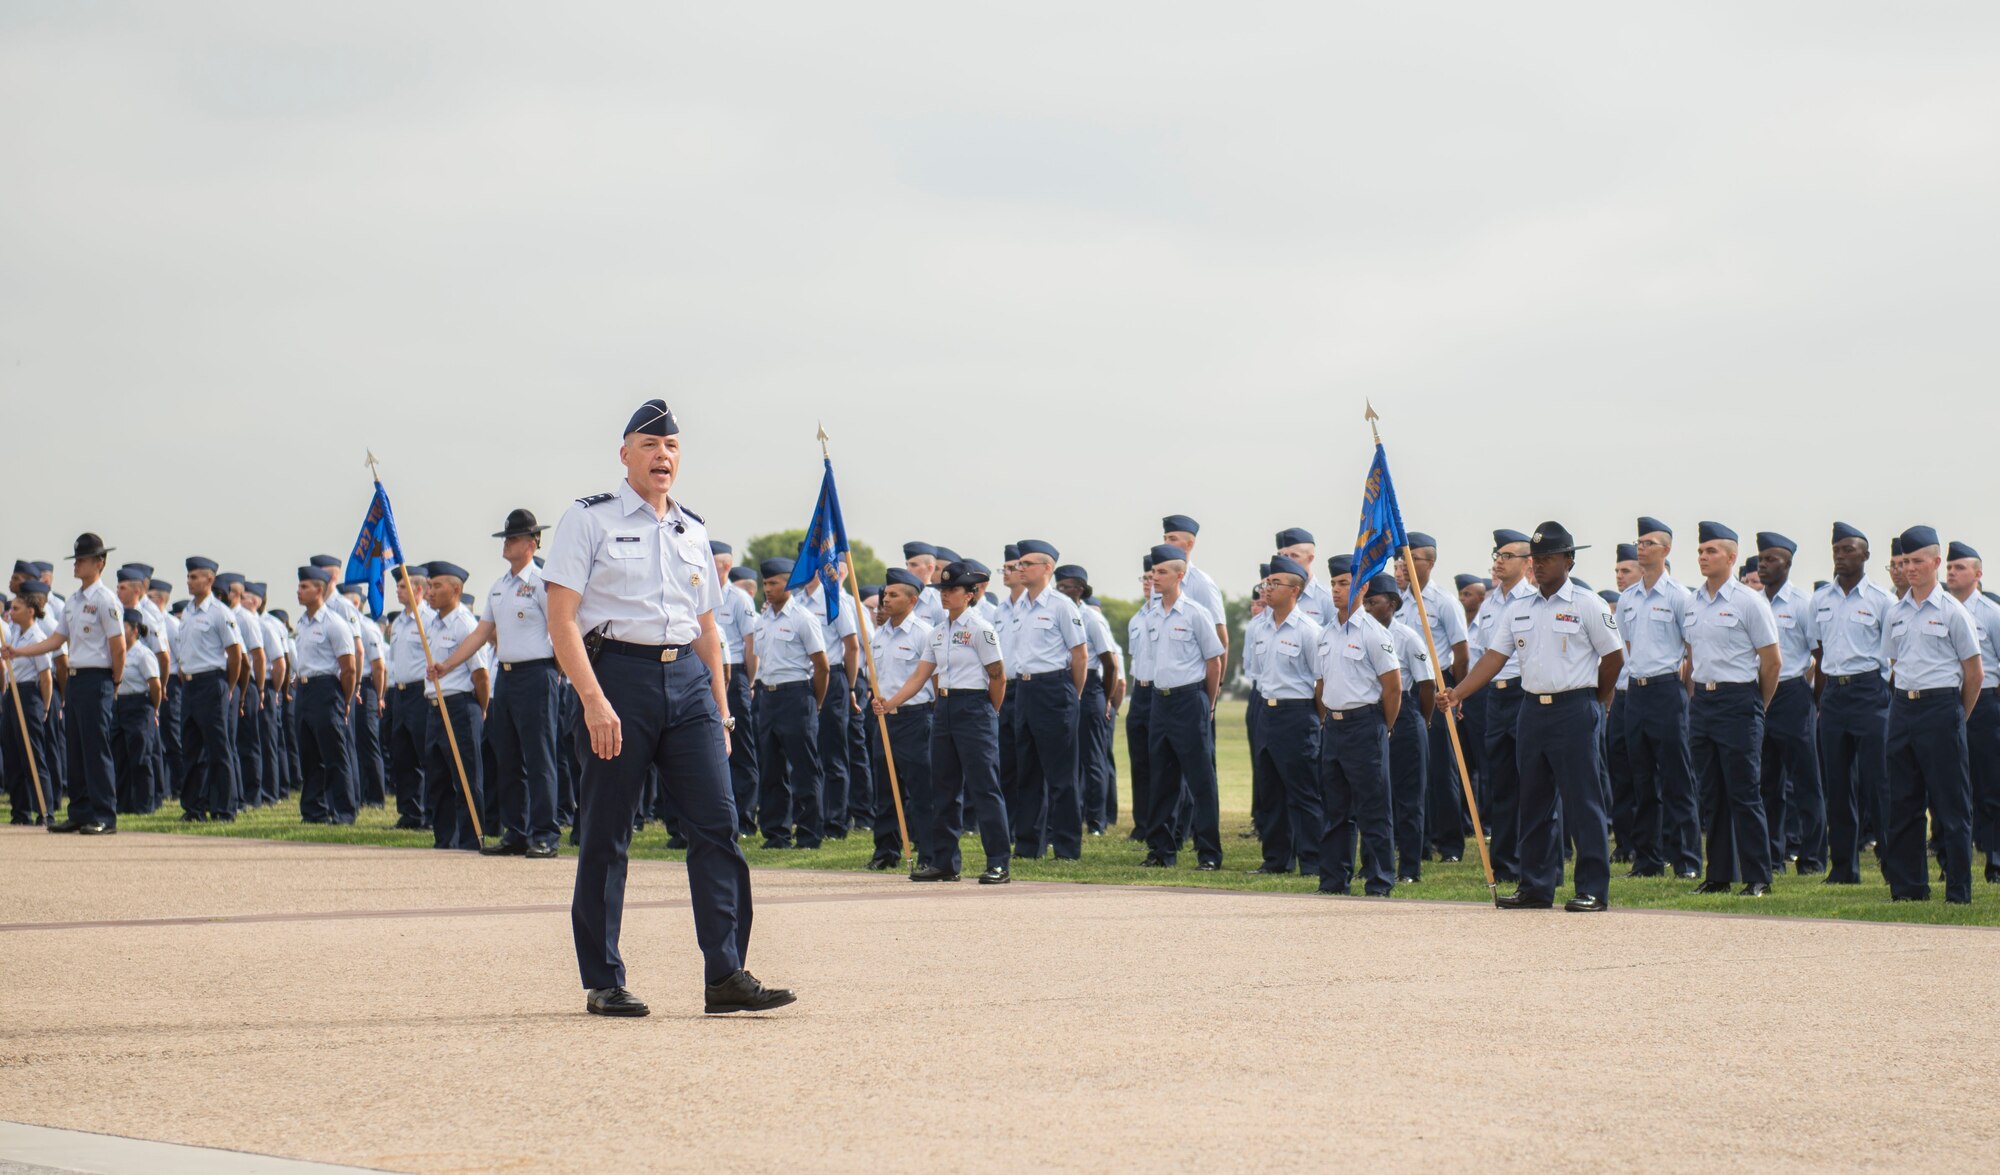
[[1011, 552], [913, 550], [1608, 596], [358, 586], [1709, 532], [775, 566], [1896, 545], [1035, 547], [1820, 583], [1263, 571], [285, 617], [1417, 538], [1502, 537], [1749, 568], [145, 568], [1091, 602], [330, 562], [1292, 536], [42, 567], [1174, 522], [1072, 571], [178, 607], [260, 590], [1168, 553], [1145, 563], [1283, 566], [871, 591], [159, 585], [1918, 537], [314, 575], [653, 418], [1842, 530], [718, 547], [131, 574], [415, 571], [1991, 596], [965, 573], [1628, 552], [1648, 525], [227, 580], [1339, 565], [440, 567], [34, 589], [23, 567], [739, 574], [135, 618], [898, 575], [1383, 585], [1465, 580], [950, 556], [1582, 583], [200, 563], [1767, 539], [1959, 550]]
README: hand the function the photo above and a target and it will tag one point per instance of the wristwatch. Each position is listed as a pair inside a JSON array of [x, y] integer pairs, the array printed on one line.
[[729, 723]]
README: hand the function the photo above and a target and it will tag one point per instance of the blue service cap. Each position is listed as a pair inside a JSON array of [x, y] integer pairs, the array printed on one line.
[[1034, 547], [898, 575], [131, 574], [774, 566], [1582, 583], [1174, 522], [1417, 538], [965, 573], [1168, 553], [202, 563], [177, 607], [1749, 568], [1011, 552], [1466, 579], [1292, 536], [145, 567], [739, 574], [718, 547], [1608, 596], [1628, 552], [1280, 565], [1820, 583], [1767, 539], [1710, 532], [311, 574], [870, 591], [159, 585], [1263, 571], [1383, 584], [913, 550], [1918, 537], [1503, 537], [653, 418], [33, 588], [327, 561], [1649, 525], [1091, 602], [441, 567], [1842, 530], [1959, 550], [1991, 596], [414, 570], [945, 553], [1073, 571], [135, 618], [1339, 565]]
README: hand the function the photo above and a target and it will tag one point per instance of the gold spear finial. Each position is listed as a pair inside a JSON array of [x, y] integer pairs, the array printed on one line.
[[372, 471], [822, 441], [1371, 418]]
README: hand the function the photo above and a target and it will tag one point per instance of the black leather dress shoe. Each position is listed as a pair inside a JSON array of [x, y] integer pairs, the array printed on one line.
[[881, 864], [1208, 867], [932, 873], [614, 1001], [192, 817], [742, 993], [503, 849], [1806, 869], [997, 875], [1646, 873], [1708, 887], [1520, 901], [1407, 880], [96, 829], [1326, 891], [1154, 861], [1753, 890], [408, 824], [1451, 858], [772, 842], [1687, 874], [1586, 904], [677, 841], [64, 826], [1993, 873], [1270, 870], [540, 852]]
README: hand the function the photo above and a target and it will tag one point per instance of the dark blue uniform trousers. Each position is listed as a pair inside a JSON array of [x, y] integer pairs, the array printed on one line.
[[367, 746], [788, 764], [1854, 755], [451, 819], [569, 769], [965, 782], [132, 751], [742, 749], [667, 721], [208, 762], [408, 721], [1093, 755], [92, 774], [1410, 785], [245, 712], [1046, 805], [1562, 794], [1982, 747], [1927, 769], [270, 732], [1267, 796], [1354, 783], [326, 793], [170, 737], [58, 735], [1445, 818], [1666, 825], [1009, 734], [1618, 771], [22, 795], [910, 741], [1180, 741], [1789, 774], [1139, 762], [1503, 778], [861, 757], [1287, 752], [521, 728], [1726, 742], [832, 734]]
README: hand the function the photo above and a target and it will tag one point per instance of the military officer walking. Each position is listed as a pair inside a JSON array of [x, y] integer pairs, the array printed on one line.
[[1733, 662]]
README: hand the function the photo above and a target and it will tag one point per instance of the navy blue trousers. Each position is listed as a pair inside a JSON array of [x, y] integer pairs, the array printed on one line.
[[1267, 801], [1354, 783], [132, 746], [408, 724], [1726, 742], [22, 794], [521, 728], [1503, 778], [788, 764], [1854, 755], [1287, 752], [1618, 770], [451, 819], [668, 722], [569, 768], [326, 793], [910, 741], [860, 811], [1445, 819], [1093, 756], [1666, 824], [833, 765], [1562, 795], [1180, 743], [208, 762], [965, 781], [1010, 726], [1138, 760], [245, 712], [1927, 770], [1046, 806], [270, 733], [368, 774], [1789, 775], [1982, 747], [93, 786], [1410, 785], [170, 736], [742, 749]]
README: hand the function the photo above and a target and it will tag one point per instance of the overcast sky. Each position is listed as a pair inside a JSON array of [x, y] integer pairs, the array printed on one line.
[[1044, 270]]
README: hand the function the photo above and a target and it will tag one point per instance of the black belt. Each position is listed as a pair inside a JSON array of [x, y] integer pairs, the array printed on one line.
[[1507, 684], [666, 654], [1167, 691], [1943, 691], [1855, 679], [1042, 676], [1136, 684], [917, 706], [1341, 715], [204, 675], [1656, 679], [1990, 691], [783, 686], [104, 669], [1723, 687], [407, 685], [970, 689], [1276, 703], [1551, 699], [510, 666]]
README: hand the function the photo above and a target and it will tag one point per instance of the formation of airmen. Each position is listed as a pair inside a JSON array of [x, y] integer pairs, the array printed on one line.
[[1728, 732]]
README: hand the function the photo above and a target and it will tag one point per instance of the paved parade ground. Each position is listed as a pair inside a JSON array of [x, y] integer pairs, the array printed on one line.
[[412, 1010]]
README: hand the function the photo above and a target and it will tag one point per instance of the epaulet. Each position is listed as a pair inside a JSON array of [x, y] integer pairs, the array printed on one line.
[[693, 515], [595, 499]]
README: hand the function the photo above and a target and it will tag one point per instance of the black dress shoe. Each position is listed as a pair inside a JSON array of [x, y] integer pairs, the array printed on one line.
[[1407, 880], [1911, 897], [1586, 904], [1753, 890], [932, 873], [772, 842], [408, 824], [540, 852], [1269, 869], [94, 828], [65, 826], [1687, 874], [997, 875], [677, 841], [1332, 892], [1993, 873], [503, 849], [572, 835], [1708, 887], [1154, 861], [1208, 867], [192, 817], [1451, 858], [1646, 873], [614, 1001], [1520, 901], [742, 993], [1806, 869], [881, 864]]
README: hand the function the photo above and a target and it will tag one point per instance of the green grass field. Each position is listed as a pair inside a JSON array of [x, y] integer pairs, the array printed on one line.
[[1114, 860]]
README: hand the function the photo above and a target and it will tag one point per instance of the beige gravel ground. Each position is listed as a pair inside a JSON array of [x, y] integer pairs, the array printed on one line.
[[413, 1010]]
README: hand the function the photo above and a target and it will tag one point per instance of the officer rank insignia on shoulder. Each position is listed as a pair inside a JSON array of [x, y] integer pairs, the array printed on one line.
[[595, 499], [693, 515]]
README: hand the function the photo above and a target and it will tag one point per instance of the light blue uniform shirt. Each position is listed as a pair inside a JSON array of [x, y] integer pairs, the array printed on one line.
[[139, 669], [1558, 640], [248, 629], [1139, 639], [898, 650], [734, 619], [1317, 603], [1724, 631], [1200, 587], [88, 622], [324, 639], [1046, 628], [156, 637], [1286, 655], [1792, 612], [1986, 626], [929, 607], [1653, 622], [27, 669], [1183, 639], [1489, 630], [406, 646], [208, 629], [1446, 616], [1849, 626], [277, 642], [446, 635], [839, 628], [1097, 638], [644, 579], [1352, 659], [1256, 632], [517, 606], [1411, 657], [1928, 642], [786, 640], [960, 650]]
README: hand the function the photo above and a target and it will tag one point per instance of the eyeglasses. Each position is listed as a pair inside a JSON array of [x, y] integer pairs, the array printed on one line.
[[1649, 543], [1507, 555]]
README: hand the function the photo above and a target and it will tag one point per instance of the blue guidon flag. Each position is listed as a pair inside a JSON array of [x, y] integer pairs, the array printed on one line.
[[824, 547], [1381, 534], [376, 549]]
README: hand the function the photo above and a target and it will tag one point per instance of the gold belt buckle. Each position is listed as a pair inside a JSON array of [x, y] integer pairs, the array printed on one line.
[[1548, 699], [1708, 686], [1271, 702], [1338, 715], [1916, 694], [1499, 685], [668, 656]]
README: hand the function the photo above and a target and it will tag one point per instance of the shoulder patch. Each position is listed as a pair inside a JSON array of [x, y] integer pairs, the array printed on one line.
[[1610, 621], [595, 499], [992, 638]]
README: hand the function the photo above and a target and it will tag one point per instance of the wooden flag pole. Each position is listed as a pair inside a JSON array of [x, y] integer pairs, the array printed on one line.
[[1450, 727], [450, 733], [27, 742], [868, 659]]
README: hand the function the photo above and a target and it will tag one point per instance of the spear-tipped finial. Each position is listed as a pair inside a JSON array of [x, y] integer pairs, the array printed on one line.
[[822, 441], [1371, 418], [372, 471]]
